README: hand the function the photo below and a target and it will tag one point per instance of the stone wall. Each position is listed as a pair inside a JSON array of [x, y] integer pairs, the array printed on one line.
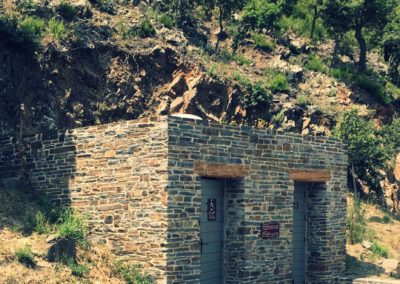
[[257, 164], [115, 174], [140, 184]]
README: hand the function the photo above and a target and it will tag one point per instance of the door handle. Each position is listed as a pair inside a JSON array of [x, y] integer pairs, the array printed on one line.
[[201, 245]]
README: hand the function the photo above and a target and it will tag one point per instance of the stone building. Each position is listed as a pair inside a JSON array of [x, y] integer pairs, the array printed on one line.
[[200, 202]]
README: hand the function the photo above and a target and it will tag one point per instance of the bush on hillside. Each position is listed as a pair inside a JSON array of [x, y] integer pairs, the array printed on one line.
[[279, 84], [366, 150], [25, 256], [379, 250], [262, 43], [356, 228], [166, 21], [374, 87], [315, 64], [67, 11], [145, 29]]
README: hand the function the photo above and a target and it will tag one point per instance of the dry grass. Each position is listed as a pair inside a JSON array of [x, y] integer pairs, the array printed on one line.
[[387, 235], [97, 259]]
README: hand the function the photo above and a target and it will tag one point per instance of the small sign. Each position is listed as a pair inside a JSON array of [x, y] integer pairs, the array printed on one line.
[[295, 205], [211, 209], [270, 230]]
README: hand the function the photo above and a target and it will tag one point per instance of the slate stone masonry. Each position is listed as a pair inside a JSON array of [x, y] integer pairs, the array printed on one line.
[[139, 183]]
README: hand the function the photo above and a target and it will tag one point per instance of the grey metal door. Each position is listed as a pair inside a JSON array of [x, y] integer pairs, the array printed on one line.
[[299, 233], [211, 231]]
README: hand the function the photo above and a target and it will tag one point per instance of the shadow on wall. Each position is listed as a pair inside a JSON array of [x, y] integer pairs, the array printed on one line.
[[50, 164], [35, 181]]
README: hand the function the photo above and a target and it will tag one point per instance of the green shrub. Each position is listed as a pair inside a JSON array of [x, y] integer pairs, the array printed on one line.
[[71, 226], [76, 269], [279, 84], [241, 78], [393, 91], [391, 138], [258, 94], [262, 15], [225, 55], [241, 59], [213, 70], [344, 73], [132, 274], [380, 251], [302, 100], [261, 42], [355, 225], [42, 226], [145, 29], [106, 6], [386, 219], [315, 63], [32, 27], [67, 11], [166, 21], [57, 29], [122, 29], [29, 224], [375, 88], [365, 148], [278, 119], [25, 256]]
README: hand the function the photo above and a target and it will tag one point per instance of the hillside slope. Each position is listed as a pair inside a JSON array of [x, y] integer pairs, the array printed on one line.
[[66, 64]]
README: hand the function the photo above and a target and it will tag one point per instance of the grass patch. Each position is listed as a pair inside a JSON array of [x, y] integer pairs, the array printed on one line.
[[42, 225], [315, 64], [355, 225], [374, 87], [76, 269], [145, 29], [379, 250], [25, 256], [67, 11], [344, 72], [262, 43], [71, 226], [241, 59], [57, 29], [132, 274], [393, 91], [32, 27], [279, 84], [302, 100]]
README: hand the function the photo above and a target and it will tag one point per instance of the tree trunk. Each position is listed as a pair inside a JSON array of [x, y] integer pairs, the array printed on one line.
[[363, 48], [221, 13], [335, 50], [314, 21]]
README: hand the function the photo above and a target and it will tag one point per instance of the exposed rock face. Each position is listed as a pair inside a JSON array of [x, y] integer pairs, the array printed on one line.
[[397, 168]]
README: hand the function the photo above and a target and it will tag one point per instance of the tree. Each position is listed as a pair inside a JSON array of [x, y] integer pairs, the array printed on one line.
[[391, 47], [259, 14], [366, 148], [335, 15], [370, 14], [316, 5]]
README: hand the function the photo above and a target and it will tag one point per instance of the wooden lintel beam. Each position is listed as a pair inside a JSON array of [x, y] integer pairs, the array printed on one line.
[[303, 175]]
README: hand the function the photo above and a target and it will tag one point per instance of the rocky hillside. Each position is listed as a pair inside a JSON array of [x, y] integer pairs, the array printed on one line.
[[66, 64]]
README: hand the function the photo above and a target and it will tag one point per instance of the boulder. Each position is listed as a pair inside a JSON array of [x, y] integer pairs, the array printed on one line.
[[63, 249], [173, 37], [366, 244]]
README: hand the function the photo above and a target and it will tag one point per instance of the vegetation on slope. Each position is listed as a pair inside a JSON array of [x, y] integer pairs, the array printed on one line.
[[291, 65], [29, 227]]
